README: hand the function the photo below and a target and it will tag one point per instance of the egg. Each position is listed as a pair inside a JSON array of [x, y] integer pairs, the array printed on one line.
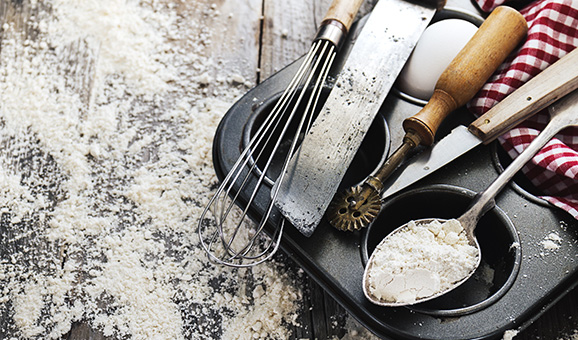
[[436, 48]]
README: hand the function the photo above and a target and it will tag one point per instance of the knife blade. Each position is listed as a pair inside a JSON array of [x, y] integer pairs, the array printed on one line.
[[315, 171], [553, 83]]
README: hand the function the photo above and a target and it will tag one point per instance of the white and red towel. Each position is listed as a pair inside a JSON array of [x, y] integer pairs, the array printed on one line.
[[553, 32]]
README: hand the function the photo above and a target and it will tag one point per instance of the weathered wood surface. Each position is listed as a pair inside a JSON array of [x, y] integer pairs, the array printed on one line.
[[266, 35]]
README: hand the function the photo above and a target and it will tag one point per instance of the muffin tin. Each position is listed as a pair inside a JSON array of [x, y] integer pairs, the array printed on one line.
[[520, 277], [497, 236]]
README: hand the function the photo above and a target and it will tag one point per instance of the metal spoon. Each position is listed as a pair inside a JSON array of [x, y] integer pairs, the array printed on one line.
[[563, 114]]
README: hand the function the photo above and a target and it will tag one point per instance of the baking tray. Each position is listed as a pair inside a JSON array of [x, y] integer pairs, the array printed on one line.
[[520, 277]]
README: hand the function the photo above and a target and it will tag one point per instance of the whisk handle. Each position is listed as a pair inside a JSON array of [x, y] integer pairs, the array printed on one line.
[[337, 21], [343, 11]]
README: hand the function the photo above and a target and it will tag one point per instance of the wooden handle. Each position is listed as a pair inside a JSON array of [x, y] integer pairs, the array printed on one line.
[[496, 38], [539, 92], [343, 11]]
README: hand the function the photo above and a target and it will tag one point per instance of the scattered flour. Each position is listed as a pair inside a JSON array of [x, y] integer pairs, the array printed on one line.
[[510, 334], [108, 112], [420, 261], [551, 242]]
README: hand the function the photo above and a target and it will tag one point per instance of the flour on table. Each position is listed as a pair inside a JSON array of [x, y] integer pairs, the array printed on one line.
[[106, 124], [420, 261]]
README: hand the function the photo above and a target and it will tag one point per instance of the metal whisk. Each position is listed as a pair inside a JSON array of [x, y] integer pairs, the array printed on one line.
[[226, 232]]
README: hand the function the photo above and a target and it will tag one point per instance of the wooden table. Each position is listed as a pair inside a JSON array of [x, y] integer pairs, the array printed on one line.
[[264, 36]]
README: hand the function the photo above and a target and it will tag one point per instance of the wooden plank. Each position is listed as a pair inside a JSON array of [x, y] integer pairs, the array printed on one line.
[[83, 331], [288, 30], [229, 30], [336, 316], [318, 316], [234, 35], [229, 35], [226, 31]]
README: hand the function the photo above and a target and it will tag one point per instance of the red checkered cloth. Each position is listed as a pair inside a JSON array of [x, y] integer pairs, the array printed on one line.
[[553, 32]]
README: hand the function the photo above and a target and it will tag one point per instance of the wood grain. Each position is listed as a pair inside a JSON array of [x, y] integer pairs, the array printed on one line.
[[343, 11], [288, 30]]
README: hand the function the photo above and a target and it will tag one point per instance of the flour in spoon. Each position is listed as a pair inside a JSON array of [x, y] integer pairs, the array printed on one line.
[[420, 261]]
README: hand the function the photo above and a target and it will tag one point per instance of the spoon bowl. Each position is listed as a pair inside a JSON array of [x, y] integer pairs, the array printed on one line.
[[562, 114], [418, 278]]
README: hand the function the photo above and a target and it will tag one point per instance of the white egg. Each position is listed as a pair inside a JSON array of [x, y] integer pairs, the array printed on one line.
[[436, 48]]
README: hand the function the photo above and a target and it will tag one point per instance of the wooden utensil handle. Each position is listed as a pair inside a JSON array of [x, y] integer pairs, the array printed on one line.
[[548, 86], [496, 38], [343, 11]]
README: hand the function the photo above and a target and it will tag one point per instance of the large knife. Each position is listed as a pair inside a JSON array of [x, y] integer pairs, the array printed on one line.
[[382, 47], [539, 92]]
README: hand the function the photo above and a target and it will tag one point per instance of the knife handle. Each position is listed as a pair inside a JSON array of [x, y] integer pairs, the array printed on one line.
[[545, 88], [343, 12], [496, 38]]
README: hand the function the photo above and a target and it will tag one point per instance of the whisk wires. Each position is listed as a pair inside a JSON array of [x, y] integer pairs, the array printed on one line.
[[236, 240]]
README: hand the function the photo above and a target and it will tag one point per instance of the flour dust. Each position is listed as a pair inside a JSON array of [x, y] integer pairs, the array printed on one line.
[[108, 110]]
